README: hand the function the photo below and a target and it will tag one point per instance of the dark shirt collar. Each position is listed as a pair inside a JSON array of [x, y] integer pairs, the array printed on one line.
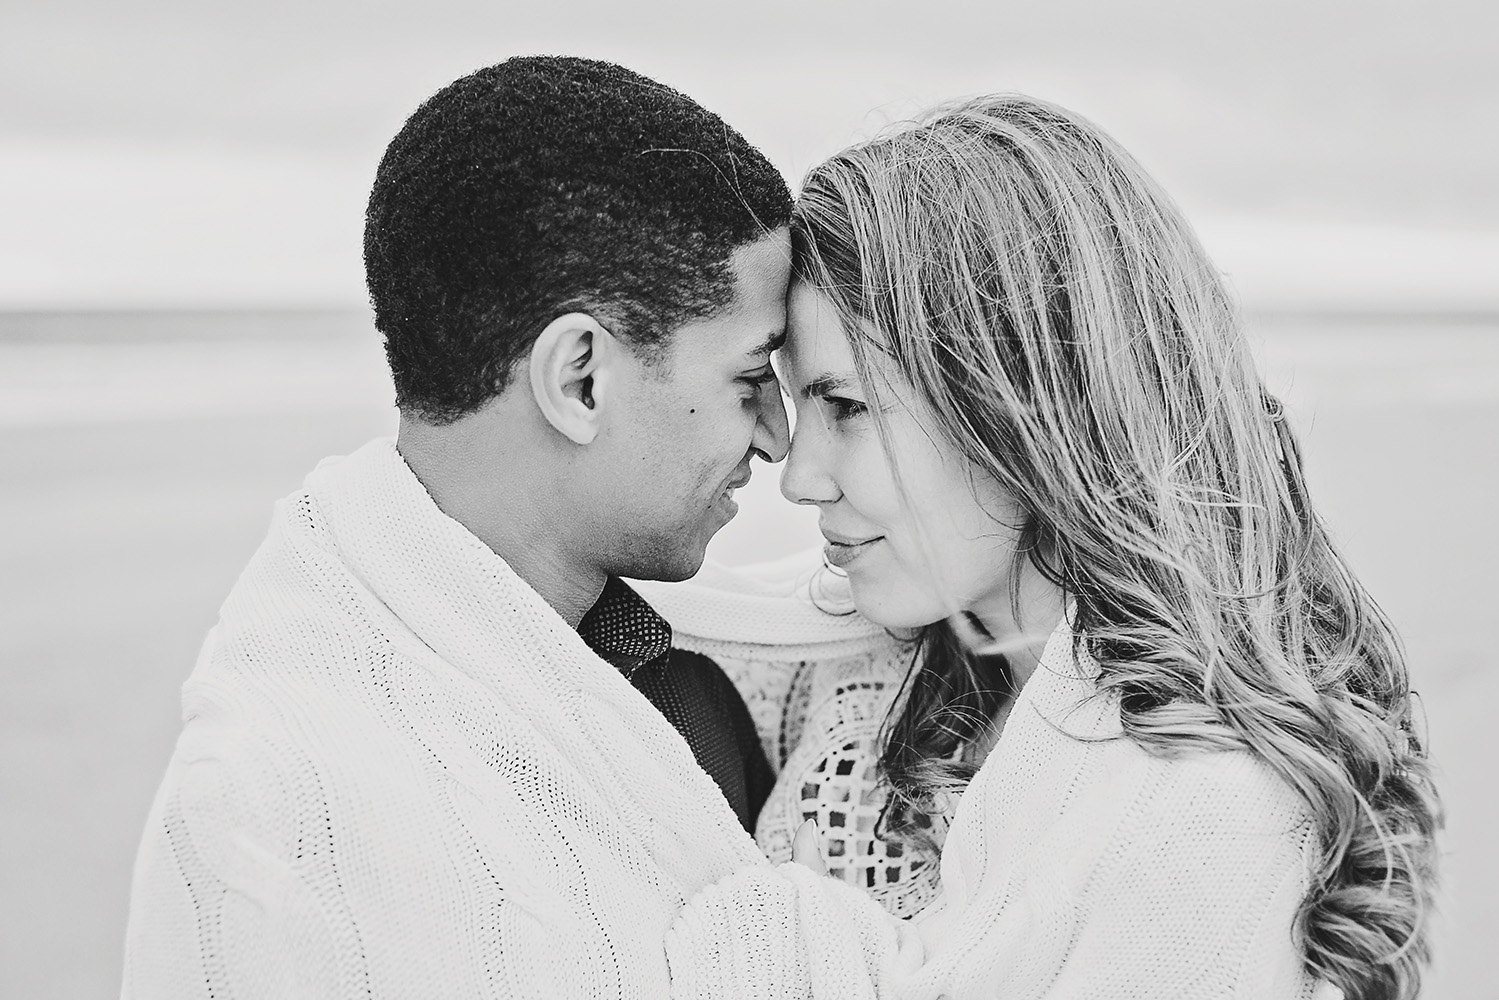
[[623, 629]]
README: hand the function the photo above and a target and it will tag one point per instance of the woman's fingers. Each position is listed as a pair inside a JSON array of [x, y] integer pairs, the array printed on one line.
[[805, 850]]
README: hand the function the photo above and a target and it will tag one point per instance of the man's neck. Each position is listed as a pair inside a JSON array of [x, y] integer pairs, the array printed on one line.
[[516, 516]]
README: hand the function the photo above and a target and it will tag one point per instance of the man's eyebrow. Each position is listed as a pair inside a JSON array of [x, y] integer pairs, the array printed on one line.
[[772, 343], [829, 384]]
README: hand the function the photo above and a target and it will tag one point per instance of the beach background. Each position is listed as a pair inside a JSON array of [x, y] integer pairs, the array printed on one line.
[[182, 329]]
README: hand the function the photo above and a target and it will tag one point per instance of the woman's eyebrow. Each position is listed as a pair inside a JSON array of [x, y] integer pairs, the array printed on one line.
[[829, 384]]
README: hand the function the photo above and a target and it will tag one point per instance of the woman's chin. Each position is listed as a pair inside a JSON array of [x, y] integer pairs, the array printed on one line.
[[891, 607]]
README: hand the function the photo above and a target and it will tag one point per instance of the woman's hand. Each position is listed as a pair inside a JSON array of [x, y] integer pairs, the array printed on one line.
[[805, 850]]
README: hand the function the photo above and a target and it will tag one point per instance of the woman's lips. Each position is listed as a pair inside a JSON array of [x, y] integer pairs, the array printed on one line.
[[842, 552]]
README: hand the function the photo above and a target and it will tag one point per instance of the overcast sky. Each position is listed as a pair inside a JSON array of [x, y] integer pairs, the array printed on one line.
[[159, 152]]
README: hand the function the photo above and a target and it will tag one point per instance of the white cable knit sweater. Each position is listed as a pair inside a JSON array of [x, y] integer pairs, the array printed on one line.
[[1077, 865], [401, 774]]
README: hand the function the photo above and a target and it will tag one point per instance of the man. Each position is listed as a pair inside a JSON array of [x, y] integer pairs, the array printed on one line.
[[416, 759]]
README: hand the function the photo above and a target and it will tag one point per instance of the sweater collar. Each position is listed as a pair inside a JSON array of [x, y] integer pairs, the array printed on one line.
[[1063, 692], [623, 629]]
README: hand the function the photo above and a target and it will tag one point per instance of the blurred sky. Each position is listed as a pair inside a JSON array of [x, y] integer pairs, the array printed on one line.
[[159, 153]]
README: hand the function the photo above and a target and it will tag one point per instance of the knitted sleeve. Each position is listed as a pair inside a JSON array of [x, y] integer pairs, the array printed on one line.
[[785, 933]]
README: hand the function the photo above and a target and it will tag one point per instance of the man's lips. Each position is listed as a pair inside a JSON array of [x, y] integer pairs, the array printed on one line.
[[725, 498]]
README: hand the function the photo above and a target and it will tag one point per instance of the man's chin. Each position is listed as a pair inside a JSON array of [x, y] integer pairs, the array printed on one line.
[[674, 575], [668, 566]]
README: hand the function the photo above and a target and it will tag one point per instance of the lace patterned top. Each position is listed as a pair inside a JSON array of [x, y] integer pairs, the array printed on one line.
[[819, 682]]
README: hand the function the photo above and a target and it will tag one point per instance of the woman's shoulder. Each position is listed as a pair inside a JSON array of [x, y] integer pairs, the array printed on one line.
[[1063, 715], [1069, 778], [1221, 814], [1187, 789], [1236, 785]]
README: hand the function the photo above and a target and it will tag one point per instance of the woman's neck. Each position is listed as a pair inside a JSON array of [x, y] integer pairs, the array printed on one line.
[[1021, 623]]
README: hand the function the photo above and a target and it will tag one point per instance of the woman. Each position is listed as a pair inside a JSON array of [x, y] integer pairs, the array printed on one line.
[[1180, 729]]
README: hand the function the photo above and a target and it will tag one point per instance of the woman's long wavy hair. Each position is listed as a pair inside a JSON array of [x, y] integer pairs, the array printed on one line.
[[1059, 321]]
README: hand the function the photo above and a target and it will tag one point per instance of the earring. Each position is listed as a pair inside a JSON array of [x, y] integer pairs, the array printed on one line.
[[829, 590]]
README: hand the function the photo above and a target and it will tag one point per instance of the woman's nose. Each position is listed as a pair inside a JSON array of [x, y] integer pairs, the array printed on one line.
[[805, 477]]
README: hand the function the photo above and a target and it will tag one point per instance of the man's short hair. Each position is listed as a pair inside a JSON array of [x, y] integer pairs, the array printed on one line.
[[541, 186]]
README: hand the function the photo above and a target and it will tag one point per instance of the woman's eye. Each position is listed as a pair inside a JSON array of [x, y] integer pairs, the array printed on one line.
[[844, 408]]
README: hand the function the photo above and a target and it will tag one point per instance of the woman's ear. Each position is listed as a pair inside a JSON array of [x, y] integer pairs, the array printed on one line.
[[568, 374]]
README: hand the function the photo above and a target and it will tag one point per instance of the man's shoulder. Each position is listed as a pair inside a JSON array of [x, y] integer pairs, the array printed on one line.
[[292, 696]]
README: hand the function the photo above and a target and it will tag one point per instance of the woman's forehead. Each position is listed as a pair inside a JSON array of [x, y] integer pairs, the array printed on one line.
[[815, 336], [820, 337]]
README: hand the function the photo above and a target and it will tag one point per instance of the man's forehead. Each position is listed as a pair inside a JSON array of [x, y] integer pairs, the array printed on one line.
[[733, 337], [752, 324], [768, 258], [749, 345], [762, 276]]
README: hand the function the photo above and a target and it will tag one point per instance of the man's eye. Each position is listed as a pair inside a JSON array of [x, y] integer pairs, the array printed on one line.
[[759, 378]]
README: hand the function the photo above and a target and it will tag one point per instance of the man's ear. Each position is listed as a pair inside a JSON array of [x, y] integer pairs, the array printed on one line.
[[570, 372]]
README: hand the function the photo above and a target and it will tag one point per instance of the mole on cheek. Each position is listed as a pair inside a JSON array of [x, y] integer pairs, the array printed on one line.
[[693, 410]]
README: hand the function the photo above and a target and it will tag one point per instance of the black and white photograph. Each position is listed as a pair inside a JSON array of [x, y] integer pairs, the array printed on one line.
[[825, 500]]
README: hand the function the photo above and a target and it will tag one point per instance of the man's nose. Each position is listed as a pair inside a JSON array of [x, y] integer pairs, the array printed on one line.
[[772, 430]]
